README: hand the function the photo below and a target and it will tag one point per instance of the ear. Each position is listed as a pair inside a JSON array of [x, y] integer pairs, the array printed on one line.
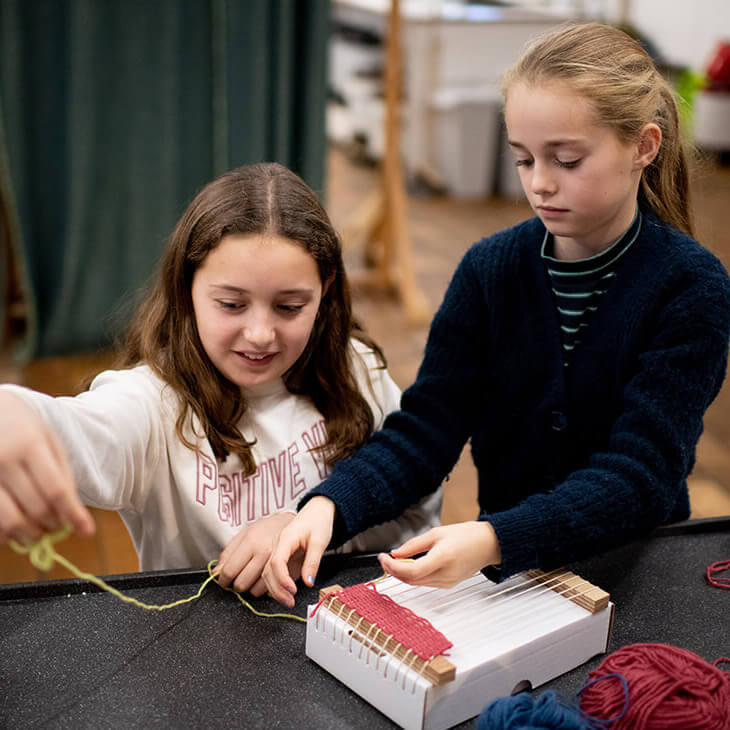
[[650, 139]]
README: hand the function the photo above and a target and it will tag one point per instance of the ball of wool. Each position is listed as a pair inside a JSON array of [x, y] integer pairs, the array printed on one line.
[[668, 687], [548, 712]]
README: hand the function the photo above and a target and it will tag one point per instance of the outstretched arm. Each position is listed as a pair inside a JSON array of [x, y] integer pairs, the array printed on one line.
[[37, 488], [421, 442]]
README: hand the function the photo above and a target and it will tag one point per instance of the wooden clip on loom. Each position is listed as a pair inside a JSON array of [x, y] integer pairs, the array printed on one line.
[[500, 637]]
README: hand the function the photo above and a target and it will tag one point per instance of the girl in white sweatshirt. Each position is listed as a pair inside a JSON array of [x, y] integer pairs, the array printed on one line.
[[243, 378]]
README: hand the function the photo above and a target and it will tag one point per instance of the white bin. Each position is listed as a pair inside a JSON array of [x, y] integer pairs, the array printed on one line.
[[467, 139], [712, 120]]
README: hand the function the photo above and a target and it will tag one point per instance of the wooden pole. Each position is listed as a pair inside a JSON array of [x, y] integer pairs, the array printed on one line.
[[382, 219]]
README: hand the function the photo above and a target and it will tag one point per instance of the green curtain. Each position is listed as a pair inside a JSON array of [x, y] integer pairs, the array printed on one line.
[[113, 113]]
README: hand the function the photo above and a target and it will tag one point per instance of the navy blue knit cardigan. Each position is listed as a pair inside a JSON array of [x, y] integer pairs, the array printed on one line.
[[571, 461]]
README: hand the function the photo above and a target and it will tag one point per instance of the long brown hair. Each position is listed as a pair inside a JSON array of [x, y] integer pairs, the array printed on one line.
[[259, 198], [613, 71]]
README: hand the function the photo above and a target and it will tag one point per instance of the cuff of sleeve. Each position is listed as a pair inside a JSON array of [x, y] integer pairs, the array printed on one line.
[[516, 533]]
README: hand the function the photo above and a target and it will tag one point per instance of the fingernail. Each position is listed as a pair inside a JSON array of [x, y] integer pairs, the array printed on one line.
[[310, 580]]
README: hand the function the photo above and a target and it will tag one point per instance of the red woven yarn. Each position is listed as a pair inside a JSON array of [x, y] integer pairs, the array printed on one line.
[[407, 628], [669, 688]]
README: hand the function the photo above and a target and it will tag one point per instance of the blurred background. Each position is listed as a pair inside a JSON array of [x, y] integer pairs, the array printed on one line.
[[114, 113]]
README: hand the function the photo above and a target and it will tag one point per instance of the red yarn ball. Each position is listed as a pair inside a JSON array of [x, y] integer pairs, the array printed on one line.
[[669, 688]]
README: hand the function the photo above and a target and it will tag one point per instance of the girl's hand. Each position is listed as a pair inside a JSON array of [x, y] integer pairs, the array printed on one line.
[[455, 553], [37, 488], [310, 532], [245, 556]]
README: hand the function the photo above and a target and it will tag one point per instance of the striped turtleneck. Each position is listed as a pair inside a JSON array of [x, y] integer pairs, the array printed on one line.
[[578, 285]]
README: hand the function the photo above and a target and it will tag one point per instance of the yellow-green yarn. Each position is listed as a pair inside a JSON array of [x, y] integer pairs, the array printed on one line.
[[291, 616], [42, 555]]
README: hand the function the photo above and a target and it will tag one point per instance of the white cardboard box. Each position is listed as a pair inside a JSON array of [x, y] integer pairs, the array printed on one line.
[[503, 636]]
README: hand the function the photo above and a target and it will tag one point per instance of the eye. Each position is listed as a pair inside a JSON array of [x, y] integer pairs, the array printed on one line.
[[525, 162], [229, 306], [290, 308], [568, 164]]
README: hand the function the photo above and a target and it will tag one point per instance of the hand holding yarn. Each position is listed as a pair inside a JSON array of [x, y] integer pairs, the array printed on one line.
[[455, 552], [37, 488], [242, 561]]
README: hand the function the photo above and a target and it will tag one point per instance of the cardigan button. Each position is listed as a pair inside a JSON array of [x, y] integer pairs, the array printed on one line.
[[558, 421]]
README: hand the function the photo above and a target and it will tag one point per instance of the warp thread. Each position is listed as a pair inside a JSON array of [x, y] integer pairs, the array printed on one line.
[[661, 687], [42, 554]]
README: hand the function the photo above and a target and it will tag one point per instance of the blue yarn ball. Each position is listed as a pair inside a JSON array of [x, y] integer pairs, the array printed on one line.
[[521, 712]]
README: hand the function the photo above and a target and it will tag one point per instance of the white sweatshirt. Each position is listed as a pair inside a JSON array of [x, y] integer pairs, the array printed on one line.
[[182, 507]]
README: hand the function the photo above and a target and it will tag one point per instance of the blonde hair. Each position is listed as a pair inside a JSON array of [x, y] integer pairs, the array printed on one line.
[[614, 72]]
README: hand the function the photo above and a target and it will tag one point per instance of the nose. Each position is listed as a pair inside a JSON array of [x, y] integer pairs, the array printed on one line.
[[258, 329], [542, 181]]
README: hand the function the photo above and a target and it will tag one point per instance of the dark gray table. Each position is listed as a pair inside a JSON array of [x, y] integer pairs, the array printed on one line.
[[73, 657]]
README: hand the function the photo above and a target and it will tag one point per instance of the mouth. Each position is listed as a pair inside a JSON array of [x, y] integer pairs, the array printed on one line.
[[256, 359], [550, 210]]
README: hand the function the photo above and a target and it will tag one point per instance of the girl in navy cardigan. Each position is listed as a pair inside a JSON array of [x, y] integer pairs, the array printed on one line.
[[577, 351]]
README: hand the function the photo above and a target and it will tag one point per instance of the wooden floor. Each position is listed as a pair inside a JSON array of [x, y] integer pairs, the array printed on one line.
[[442, 228]]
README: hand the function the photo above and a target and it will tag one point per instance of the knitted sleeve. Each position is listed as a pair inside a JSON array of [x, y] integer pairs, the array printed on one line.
[[420, 443], [634, 483]]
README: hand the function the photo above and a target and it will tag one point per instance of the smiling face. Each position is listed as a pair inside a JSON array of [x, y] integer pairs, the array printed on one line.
[[578, 176], [255, 298]]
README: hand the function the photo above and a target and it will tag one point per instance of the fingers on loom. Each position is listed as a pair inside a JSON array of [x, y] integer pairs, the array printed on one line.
[[417, 544], [416, 572]]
